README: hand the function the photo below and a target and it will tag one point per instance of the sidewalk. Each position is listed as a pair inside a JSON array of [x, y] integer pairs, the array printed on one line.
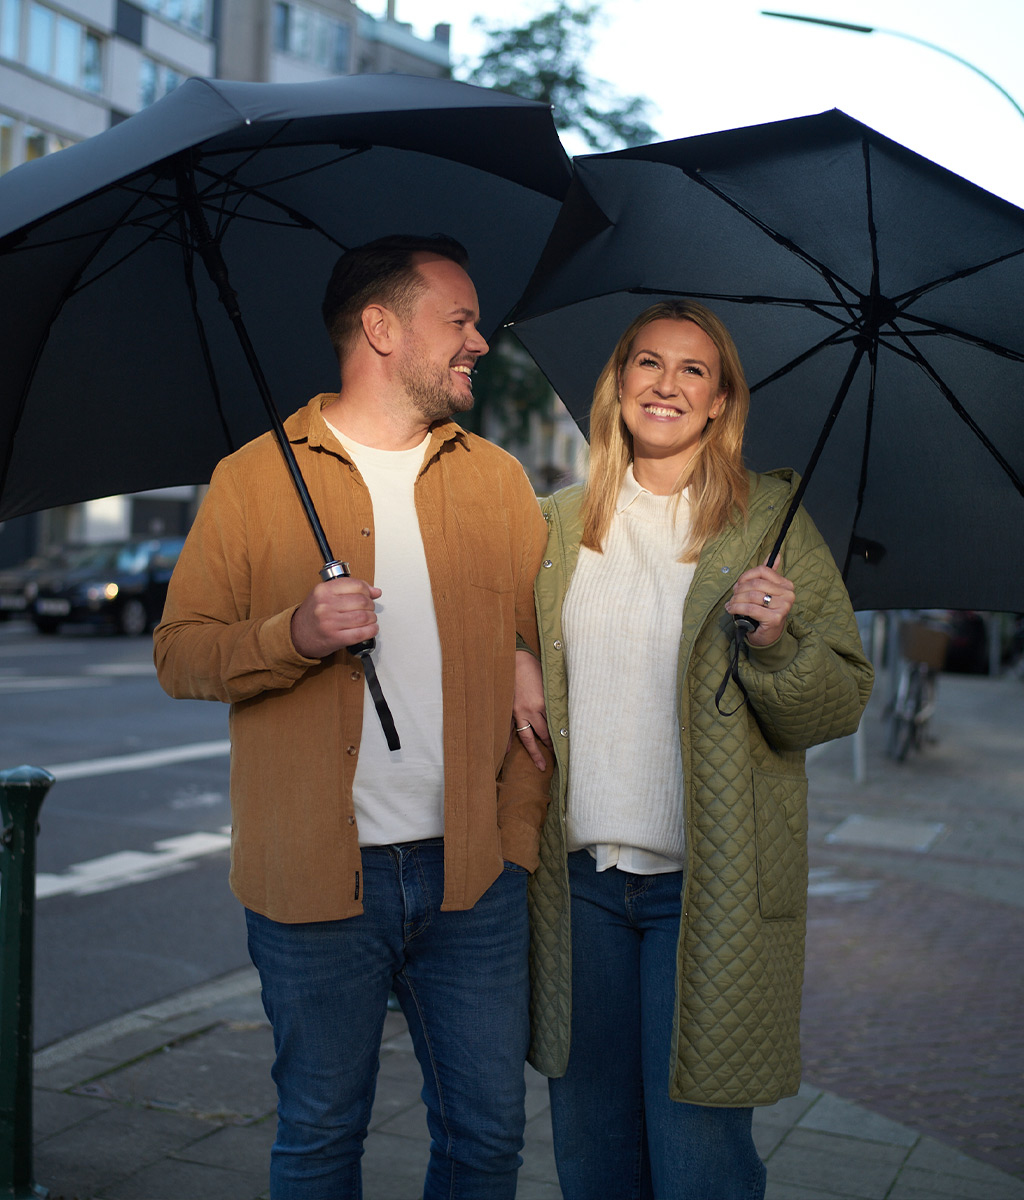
[[175, 1102]]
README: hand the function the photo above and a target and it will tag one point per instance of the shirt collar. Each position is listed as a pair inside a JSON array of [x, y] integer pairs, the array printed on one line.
[[629, 491]]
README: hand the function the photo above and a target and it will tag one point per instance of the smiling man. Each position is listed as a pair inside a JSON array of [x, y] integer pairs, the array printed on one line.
[[364, 870]]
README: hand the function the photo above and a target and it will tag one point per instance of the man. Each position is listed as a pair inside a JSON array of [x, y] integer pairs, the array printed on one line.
[[361, 869]]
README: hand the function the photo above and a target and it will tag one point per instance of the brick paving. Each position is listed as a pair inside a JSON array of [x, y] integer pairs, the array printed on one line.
[[914, 994]]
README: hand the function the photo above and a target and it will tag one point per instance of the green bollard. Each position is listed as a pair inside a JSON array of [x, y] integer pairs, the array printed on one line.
[[22, 791]]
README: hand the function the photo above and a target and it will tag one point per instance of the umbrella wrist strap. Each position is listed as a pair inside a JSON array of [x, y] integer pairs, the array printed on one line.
[[387, 722], [733, 672]]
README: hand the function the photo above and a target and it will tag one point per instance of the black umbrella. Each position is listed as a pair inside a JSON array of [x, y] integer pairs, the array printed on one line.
[[875, 299], [121, 372]]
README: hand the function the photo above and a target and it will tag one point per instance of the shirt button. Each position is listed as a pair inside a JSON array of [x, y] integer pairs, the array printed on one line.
[[350, 749], [557, 644], [547, 563], [364, 533]]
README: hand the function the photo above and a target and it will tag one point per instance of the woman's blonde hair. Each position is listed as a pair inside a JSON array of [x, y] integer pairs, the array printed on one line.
[[715, 475]]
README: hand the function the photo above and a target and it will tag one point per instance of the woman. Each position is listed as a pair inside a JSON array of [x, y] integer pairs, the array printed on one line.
[[669, 906]]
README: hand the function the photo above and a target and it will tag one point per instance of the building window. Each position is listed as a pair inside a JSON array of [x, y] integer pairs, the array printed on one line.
[[156, 79], [6, 143], [311, 36], [37, 142], [190, 14], [10, 28], [51, 44], [20, 142]]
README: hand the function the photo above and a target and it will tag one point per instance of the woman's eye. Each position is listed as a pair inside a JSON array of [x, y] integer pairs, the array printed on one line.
[[647, 362]]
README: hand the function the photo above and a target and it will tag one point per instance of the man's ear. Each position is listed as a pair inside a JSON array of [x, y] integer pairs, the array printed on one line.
[[379, 328]]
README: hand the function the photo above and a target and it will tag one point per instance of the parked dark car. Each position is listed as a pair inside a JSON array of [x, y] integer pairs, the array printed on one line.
[[18, 583], [122, 585]]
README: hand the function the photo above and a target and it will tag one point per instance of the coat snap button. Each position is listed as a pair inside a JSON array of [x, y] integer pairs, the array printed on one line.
[[364, 532], [547, 563], [355, 675], [351, 820], [725, 570], [563, 732], [557, 645], [350, 749]]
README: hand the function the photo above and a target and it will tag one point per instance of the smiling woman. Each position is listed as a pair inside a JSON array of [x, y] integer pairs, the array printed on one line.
[[669, 389]]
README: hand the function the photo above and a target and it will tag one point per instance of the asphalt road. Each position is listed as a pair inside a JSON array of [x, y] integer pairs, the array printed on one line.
[[132, 897]]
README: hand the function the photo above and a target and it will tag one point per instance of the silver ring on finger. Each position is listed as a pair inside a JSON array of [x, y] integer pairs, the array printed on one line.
[[766, 599]]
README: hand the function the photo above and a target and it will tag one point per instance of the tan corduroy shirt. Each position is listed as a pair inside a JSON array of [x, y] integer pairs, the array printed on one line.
[[248, 563]]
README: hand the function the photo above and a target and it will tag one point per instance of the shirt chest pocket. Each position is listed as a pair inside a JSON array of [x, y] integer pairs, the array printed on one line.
[[485, 551]]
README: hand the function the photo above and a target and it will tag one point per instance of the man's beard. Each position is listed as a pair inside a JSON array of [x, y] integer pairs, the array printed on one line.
[[431, 390]]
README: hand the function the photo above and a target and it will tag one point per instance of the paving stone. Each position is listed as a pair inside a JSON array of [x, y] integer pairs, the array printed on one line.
[[235, 1147], [53, 1112], [111, 1145], [836, 1165], [172, 1180], [832, 1115]]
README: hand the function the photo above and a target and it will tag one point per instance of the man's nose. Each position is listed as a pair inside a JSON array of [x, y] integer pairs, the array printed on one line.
[[476, 343]]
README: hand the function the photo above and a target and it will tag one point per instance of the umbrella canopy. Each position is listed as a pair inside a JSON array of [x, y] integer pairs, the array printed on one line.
[[121, 369], [875, 301]]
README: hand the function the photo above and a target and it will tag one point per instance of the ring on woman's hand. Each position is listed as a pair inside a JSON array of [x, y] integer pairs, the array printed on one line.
[[520, 728], [766, 599]]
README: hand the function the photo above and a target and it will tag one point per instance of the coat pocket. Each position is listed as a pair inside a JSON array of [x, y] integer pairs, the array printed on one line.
[[780, 813]]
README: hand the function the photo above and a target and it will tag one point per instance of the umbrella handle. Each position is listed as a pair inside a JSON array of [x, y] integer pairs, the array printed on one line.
[[336, 569]]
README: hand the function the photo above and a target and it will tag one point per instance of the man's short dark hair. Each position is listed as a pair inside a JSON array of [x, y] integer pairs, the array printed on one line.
[[381, 272]]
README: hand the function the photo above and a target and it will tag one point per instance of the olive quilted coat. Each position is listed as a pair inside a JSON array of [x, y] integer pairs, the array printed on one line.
[[740, 955]]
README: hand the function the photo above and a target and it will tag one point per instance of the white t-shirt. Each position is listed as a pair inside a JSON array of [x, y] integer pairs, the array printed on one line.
[[399, 795]]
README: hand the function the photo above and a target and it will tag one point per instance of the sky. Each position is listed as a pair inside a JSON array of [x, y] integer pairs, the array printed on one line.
[[706, 65]]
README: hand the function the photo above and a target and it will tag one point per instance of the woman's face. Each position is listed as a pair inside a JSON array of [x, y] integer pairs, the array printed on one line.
[[669, 388]]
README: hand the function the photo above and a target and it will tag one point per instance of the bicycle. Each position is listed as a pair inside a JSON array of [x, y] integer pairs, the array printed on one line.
[[922, 654]]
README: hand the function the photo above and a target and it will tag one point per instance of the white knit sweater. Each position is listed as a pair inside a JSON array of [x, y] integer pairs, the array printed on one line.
[[621, 621]]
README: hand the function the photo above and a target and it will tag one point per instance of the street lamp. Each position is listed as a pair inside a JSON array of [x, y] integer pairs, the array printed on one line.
[[850, 27]]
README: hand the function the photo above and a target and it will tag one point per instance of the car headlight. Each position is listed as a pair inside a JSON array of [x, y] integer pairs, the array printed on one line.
[[101, 591]]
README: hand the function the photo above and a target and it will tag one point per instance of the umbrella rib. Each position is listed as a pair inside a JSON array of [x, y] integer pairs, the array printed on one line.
[[833, 339], [834, 282], [241, 193], [937, 329], [964, 415], [964, 273]]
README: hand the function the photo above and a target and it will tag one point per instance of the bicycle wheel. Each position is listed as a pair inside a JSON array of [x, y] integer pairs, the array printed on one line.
[[903, 723]]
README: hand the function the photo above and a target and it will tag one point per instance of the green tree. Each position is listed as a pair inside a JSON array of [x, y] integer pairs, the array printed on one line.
[[545, 60]]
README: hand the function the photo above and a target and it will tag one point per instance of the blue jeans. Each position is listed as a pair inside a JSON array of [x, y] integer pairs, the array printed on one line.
[[616, 1131], [462, 981]]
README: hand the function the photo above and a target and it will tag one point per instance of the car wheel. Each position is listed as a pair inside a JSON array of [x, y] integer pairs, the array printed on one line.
[[133, 620]]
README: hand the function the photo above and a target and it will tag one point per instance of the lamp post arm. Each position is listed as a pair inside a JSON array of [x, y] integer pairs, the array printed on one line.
[[909, 37]]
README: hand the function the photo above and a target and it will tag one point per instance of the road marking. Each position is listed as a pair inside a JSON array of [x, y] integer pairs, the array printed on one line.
[[822, 881], [48, 683], [121, 668], [132, 866], [139, 762]]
